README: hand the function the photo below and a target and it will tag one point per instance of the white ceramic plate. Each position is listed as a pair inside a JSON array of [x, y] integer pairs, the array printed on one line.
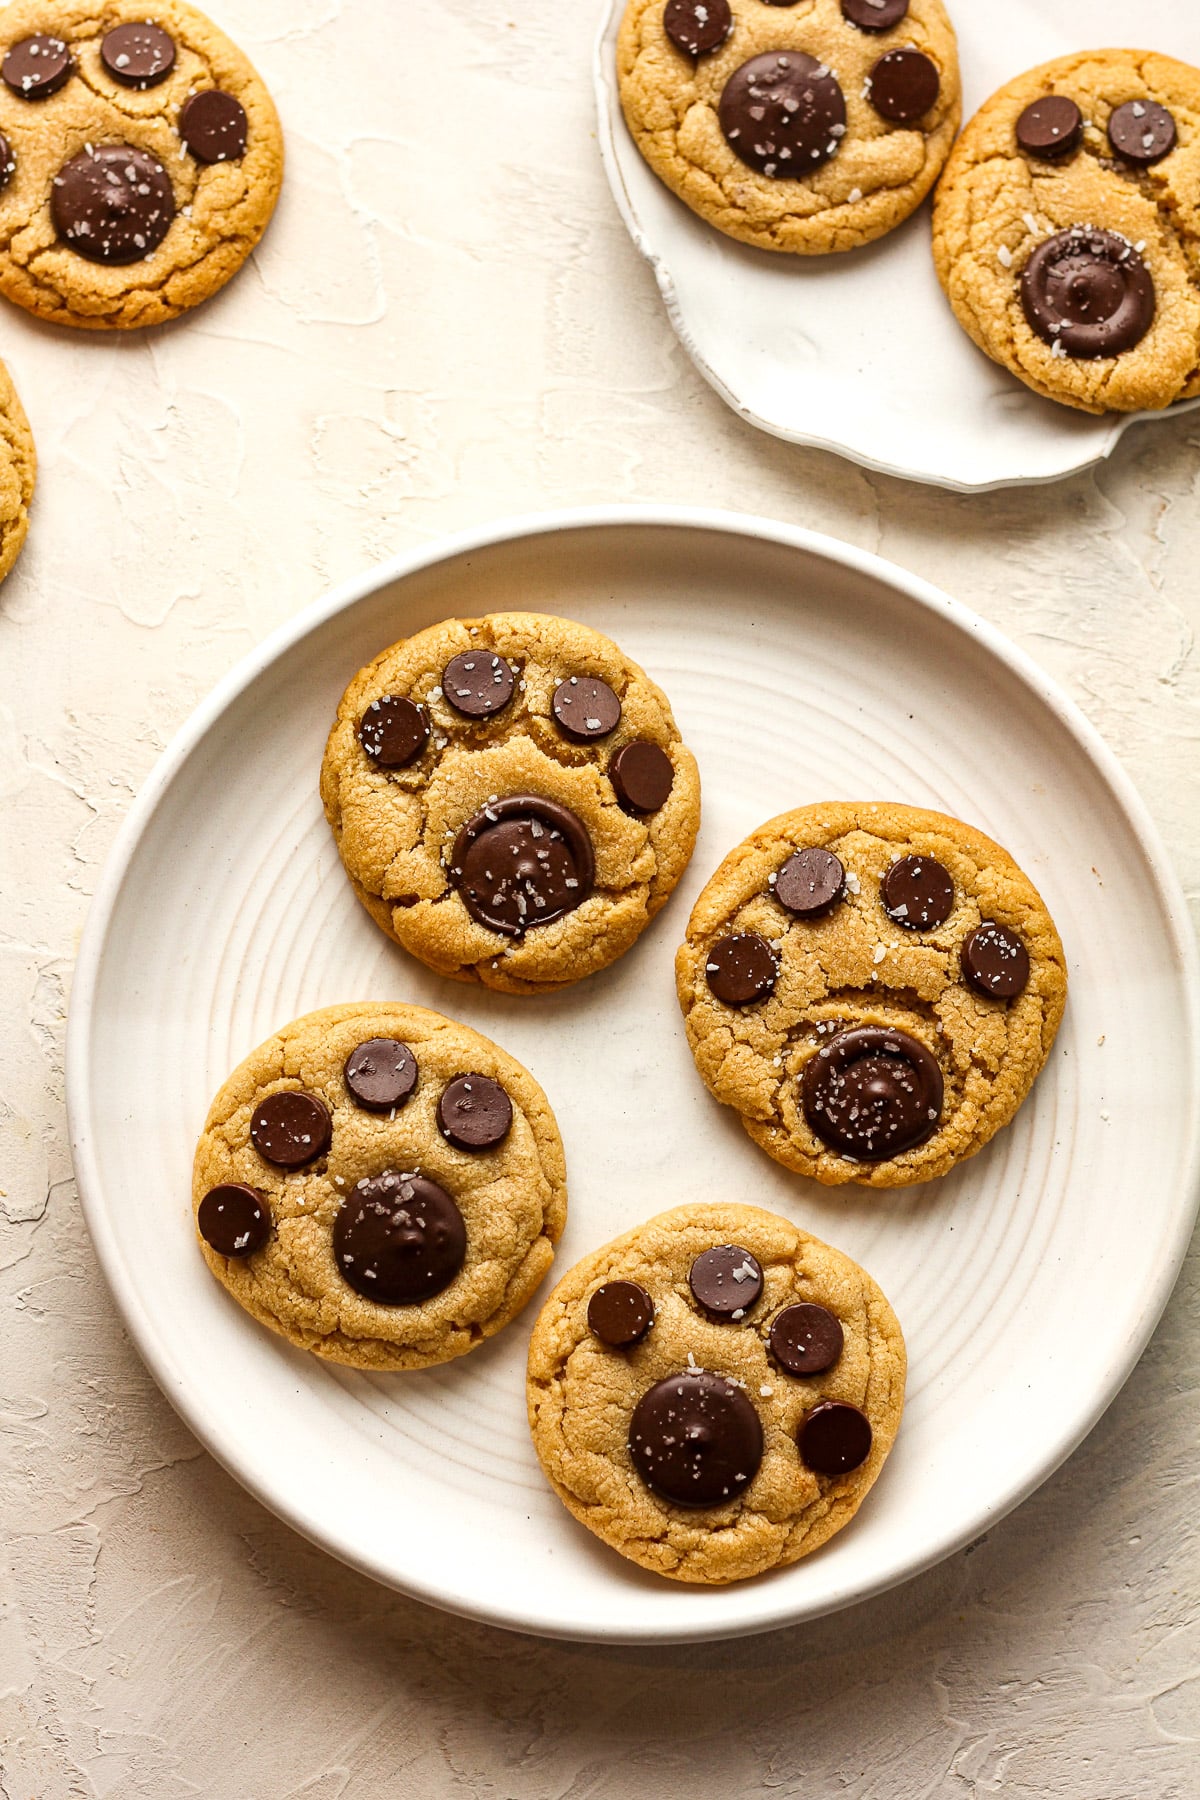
[[799, 669], [860, 353]]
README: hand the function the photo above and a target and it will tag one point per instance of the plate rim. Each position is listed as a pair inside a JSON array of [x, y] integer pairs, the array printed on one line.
[[156, 1353]]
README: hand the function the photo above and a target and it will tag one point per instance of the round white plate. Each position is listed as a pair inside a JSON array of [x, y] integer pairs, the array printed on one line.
[[1027, 1283], [860, 353]]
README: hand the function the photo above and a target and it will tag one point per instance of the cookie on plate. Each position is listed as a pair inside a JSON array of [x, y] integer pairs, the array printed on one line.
[[1066, 232], [18, 472], [140, 160], [873, 988], [714, 1393], [380, 1185], [511, 798], [807, 127]]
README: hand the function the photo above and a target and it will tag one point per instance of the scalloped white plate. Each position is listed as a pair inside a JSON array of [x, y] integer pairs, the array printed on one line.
[[1027, 1283], [860, 353]]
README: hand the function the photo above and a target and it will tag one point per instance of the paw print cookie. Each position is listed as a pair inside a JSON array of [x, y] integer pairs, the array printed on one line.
[[18, 472], [873, 988], [715, 1393], [511, 799], [806, 126], [380, 1186], [140, 160], [1066, 234]]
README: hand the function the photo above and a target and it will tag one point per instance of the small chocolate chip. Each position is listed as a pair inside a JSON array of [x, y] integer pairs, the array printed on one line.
[[810, 883], [726, 1281], [112, 204], [874, 15], [521, 862], [585, 708], [806, 1339], [474, 1113], [380, 1073], [742, 968], [37, 66], [233, 1219], [399, 1238], [642, 776], [478, 683], [872, 1092], [1141, 133], [697, 27], [904, 85], [696, 1439], [620, 1314], [1088, 292], [8, 162], [214, 126], [1050, 128], [138, 55], [394, 731], [835, 1438], [918, 893], [783, 113], [995, 962], [291, 1128]]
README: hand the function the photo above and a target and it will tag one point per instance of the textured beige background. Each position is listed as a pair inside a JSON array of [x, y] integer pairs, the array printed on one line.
[[446, 322]]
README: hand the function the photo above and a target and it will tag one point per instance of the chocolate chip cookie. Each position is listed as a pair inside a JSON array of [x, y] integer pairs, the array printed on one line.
[[874, 988], [810, 126], [511, 798], [140, 160], [714, 1393], [1066, 232], [18, 472], [380, 1185]]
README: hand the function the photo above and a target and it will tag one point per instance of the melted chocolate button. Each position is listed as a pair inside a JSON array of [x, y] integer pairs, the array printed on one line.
[[695, 1439], [726, 1281], [477, 683], [399, 1238], [697, 27], [233, 1220], [394, 731], [806, 1339], [1141, 133], [522, 861], [1088, 291], [474, 1113], [214, 127], [904, 85], [380, 1074], [873, 1092], [642, 776], [874, 15], [8, 162], [620, 1314], [995, 962], [742, 968], [112, 204], [585, 708], [1050, 128], [37, 66], [918, 893], [783, 113], [835, 1438], [810, 883], [291, 1128], [138, 56]]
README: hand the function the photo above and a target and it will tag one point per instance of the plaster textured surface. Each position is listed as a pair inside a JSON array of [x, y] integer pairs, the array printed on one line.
[[445, 323]]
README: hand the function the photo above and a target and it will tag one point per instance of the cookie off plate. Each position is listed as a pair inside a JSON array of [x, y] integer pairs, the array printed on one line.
[[859, 353], [1027, 1281]]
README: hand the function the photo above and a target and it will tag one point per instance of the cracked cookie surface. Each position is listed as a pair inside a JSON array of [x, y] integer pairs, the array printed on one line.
[[18, 473], [867, 176], [379, 1135], [962, 984], [436, 810], [89, 238], [585, 1394], [998, 203]]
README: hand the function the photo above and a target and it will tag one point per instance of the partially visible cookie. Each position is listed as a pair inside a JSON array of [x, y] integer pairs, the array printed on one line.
[[380, 1185], [140, 160], [1066, 230], [714, 1393], [807, 127], [18, 472], [873, 988], [511, 798]]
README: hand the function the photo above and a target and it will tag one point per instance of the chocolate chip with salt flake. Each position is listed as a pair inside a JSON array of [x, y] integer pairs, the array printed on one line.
[[642, 775], [291, 1128], [806, 1339], [521, 862], [1049, 129], [835, 1438], [874, 15], [477, 683], [810, 883], [585, 708], [1142, 132], [697, 27], [474, 1113], [399, 1238], [695, 1439], [726, 1281], [8, 162], [995, 962], [742, 968], [393, 731], [381, 1073], [138, 54], [620, 1313], [37, 66], [872, 1092], [112, 204], [1088, 293], [233, 1219], [918, 893], [214, 126], [904, 85], [783, 113]]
